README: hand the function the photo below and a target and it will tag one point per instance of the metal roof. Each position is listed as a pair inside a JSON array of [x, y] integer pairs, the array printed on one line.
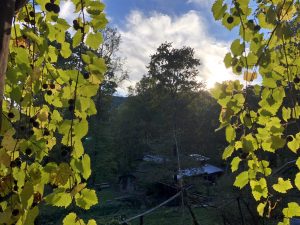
[[199, 157], [206, 169], [295, 221], [155, 158]]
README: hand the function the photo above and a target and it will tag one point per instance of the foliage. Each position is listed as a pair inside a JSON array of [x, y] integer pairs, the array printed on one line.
[[268, 47], [35, 126], [168, 98]]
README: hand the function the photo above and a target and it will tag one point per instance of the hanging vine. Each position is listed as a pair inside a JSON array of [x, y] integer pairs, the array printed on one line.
[[45, 110], [267, 52]]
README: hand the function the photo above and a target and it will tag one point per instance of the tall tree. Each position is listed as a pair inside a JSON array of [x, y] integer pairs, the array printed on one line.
[[171, 83]]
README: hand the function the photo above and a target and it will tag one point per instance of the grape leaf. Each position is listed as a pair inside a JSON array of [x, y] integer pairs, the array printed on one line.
[[283, 185], [242, 179], [59, 198], [86, 198]]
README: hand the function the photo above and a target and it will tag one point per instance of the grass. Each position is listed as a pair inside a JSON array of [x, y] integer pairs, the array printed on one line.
[[174, 216]]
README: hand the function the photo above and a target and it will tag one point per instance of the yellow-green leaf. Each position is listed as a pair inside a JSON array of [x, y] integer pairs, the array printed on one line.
[[283, 185], [242, 179], [297, 181], [94, 40]]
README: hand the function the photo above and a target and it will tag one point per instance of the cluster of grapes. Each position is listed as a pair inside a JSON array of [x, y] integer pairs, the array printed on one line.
[[46, 86], [77, 26], [30, 20], [52, 7], [71, 105]]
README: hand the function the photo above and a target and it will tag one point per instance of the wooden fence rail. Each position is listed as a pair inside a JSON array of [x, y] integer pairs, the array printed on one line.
[[141, 216]]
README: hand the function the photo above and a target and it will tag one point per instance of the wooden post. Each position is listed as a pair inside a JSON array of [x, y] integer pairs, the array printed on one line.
[[240, 210], [7, 10], [142, 220]]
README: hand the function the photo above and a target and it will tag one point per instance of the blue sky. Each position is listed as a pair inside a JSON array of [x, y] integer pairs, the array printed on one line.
[[145, 24], [118, 10]]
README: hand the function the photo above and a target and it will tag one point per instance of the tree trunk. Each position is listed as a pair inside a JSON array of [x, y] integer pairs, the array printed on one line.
[[7, 10]]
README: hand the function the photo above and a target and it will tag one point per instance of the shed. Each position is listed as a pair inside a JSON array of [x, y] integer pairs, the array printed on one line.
[[127, 183]]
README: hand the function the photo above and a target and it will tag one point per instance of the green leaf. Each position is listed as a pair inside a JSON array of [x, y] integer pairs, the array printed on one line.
[[297, 181], [218, 9], [92, 222], [228, 152], [59, 198], [242, 179], [237, 48], [228, 60], [269, 82], [77, 38], [259, 188], [27, 195], [230, 26], [283, 185], [65, 50], [294, 144], [94, 40], [31, 216], [261, 208], [81, 128], [86, 166], [286, 113], [298, 163], [72, 219], [292, 210], [230, 133], [86, 198], [235, 164]]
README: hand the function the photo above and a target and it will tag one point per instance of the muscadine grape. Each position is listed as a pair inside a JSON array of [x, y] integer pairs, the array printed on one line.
[[45, 86], [46, 132], [289, 138], [49, 7], [13, 164], [56, 8], [36, 124], [296, 80], [257, 28], [18, 162], [52, 86], [86, 75], [64, 153], [238, 69], [15, 212], [71, 101], [71, 108], [230, 19], [28, 151], [32, 14], [10, 115], [76, 25], [49, 92]]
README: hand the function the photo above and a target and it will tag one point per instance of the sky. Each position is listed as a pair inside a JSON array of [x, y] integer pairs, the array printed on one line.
[[145, 24]]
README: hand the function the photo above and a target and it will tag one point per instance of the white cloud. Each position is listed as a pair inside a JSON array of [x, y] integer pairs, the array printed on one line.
[[67, 10], [142, 35]]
